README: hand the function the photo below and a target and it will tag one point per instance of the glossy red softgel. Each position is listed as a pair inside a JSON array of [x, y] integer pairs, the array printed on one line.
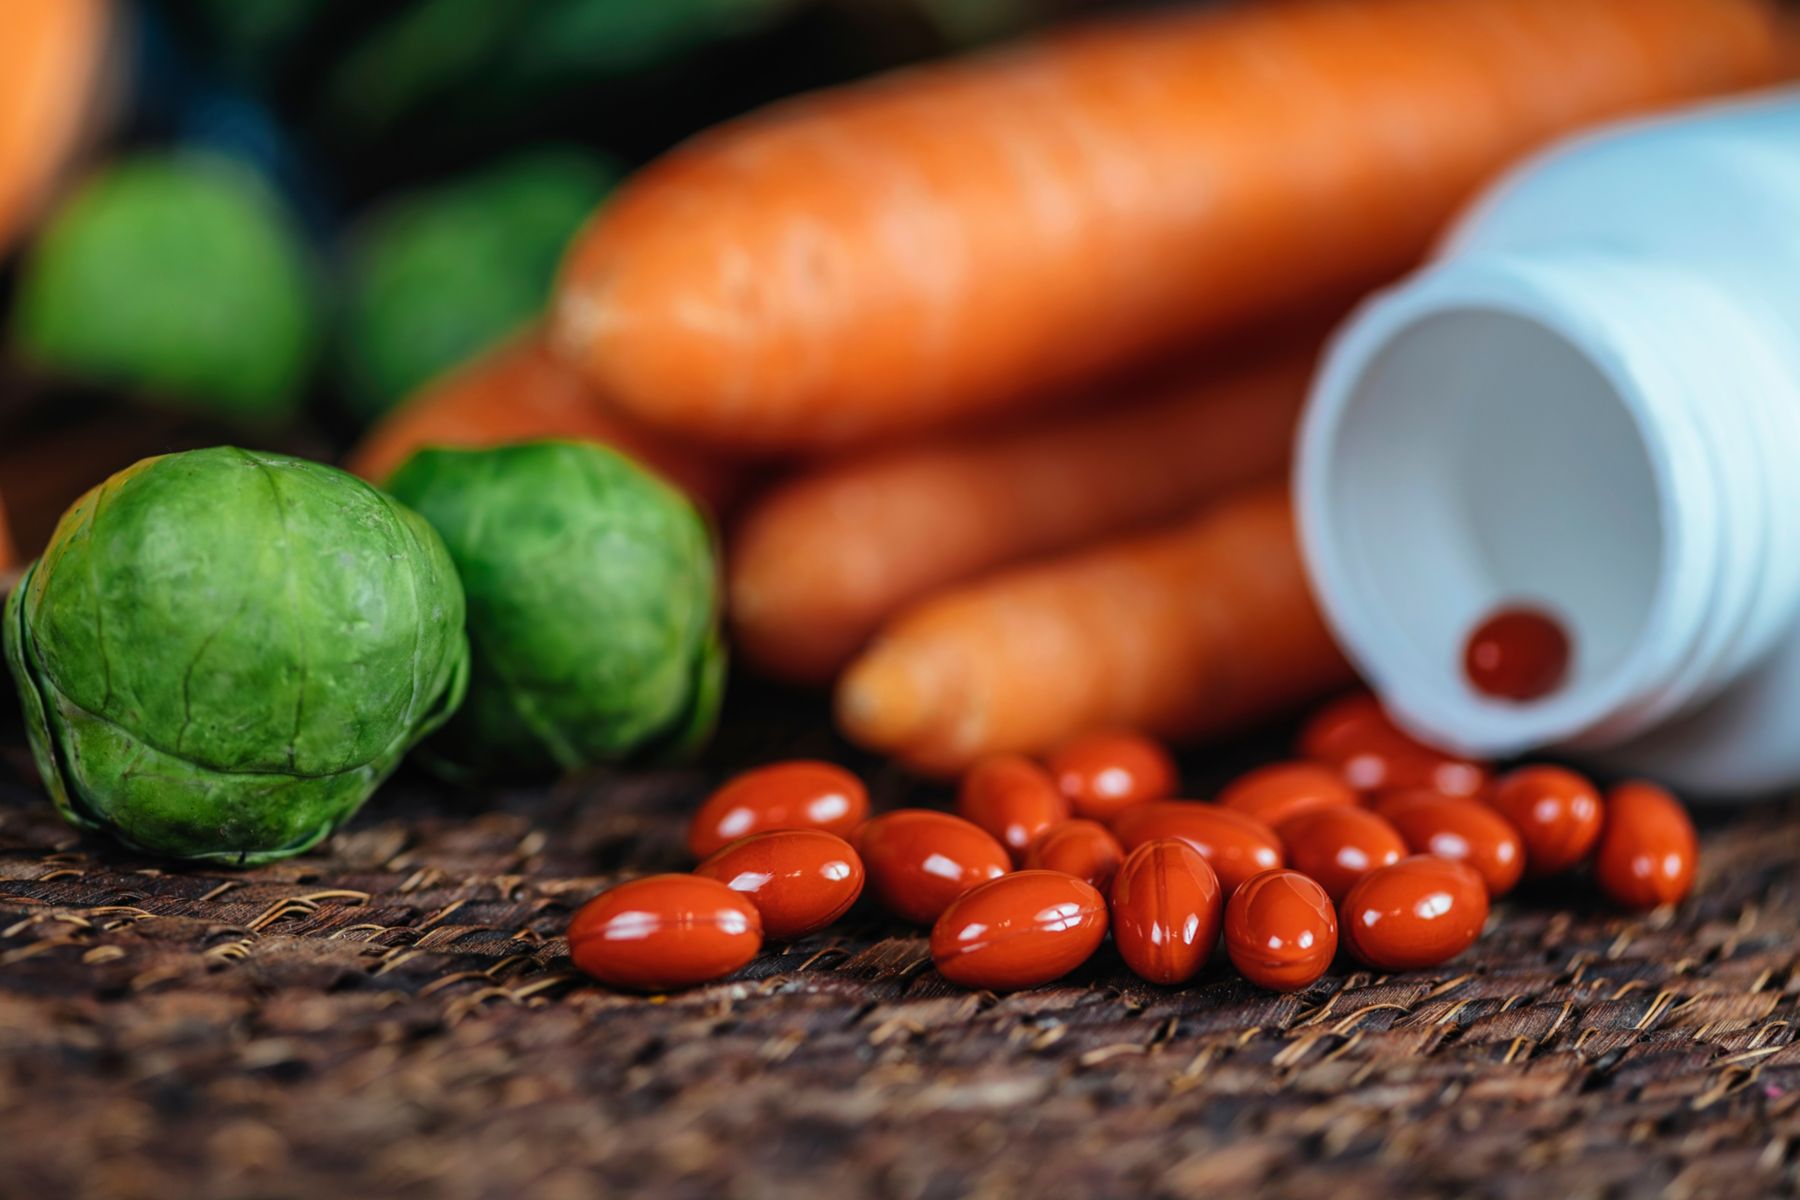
[[1557, 812], [664, 931], [1418, 912], [1517, 653], [1085, 849], [1355, 736], [801, 794], [1278, 791], [1648, 852], [1018, 931], [1465, 830], [1107, 771], [1166, 909], [1337, 846], [1012, 798], [799, 880], [918, 860], [1280, 930], [1234, 844]]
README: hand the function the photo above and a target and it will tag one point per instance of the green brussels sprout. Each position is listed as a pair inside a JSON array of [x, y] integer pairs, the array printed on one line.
[[439, 275], [180, 276], [593, 605], [222, 653]]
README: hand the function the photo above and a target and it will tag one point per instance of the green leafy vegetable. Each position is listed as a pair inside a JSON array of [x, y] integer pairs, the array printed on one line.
[[178, 276], [440, 275], [221, 653], [593, 605]]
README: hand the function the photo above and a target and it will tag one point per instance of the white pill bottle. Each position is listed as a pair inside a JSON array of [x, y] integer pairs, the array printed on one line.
[[1589, 402]]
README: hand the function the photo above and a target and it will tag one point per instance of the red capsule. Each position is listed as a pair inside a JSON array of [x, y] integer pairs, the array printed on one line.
[[798, 879], [1166, 908], [1278, 791], [1012, 798], [788, 795], [1085, 849], [1649, 852], [1339, 845], [1107, 771], [1280, 930], [1418, 912], [1517, 653], [1557, 813], [1373, 754], [1234, 845], [1465, 830], [1018, 931], [664, 931], [919, 860]]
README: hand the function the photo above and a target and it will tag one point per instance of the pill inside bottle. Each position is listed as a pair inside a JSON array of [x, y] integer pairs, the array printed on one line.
[[1517, 653]]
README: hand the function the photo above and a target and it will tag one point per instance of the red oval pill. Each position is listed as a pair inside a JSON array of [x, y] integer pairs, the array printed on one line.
[[798, 879], [1465, 830], [1649, 852], [801, 794], [1278, 791], [1280, 930], [1166, 908], [1012, 798], [1373, 754], [1339, 845], [1517, 653], [1418, 912], [1557, 812], [664, 931], [918, 860], [1021, 930], [1234, 845], [1085, 849], [1110, 770]]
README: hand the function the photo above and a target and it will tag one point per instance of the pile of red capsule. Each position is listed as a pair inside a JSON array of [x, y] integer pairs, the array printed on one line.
[[1370, 842]]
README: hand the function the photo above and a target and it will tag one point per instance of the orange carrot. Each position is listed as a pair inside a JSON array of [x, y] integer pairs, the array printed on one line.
[[899, 253], [50, 55], [1183, 633], [519, 391], [817, 565]]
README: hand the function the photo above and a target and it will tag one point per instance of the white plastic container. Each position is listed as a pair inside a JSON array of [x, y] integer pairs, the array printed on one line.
[[1589, 402]]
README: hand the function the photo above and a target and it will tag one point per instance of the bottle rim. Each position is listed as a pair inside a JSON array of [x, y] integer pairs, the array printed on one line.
[[1707, 602]]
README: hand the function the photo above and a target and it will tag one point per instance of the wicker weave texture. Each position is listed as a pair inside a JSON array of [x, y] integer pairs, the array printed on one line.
[[396, 1016]]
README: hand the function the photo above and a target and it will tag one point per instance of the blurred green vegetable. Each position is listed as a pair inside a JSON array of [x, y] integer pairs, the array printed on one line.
[[593, 604], [179, 276], [440, 275], [511, 55], [221, 653]]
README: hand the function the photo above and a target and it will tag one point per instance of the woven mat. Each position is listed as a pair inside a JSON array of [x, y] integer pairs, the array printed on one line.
[[396, 1016]]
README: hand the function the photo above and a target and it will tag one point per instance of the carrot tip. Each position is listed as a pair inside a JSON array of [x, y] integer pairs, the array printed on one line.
[[882, 702]]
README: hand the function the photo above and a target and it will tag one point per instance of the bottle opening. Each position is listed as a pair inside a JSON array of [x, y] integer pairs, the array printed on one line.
[[1460, 463]]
